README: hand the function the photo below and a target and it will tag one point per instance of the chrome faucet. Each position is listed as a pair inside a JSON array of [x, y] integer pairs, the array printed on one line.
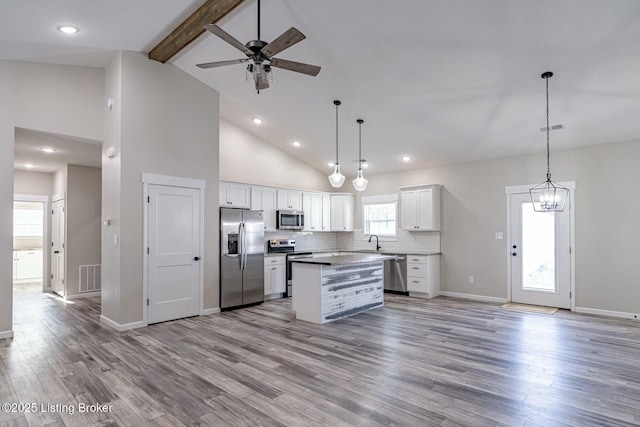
[[377, 241]]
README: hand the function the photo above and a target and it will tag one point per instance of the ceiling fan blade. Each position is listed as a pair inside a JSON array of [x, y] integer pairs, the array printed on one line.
[[284, 41], [298, 67], [228, 38], [221, 63]]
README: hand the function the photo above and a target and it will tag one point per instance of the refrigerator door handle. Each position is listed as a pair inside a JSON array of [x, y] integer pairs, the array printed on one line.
[[242, 245]]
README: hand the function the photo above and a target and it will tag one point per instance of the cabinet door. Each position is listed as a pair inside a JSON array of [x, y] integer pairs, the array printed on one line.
[[308, 215], [295, 200], [283, 199], [313, 212], [337, 213], [268, 281], [29, 265], [239, 196], [264, 199], [326, 212], [409, 210], [15, 265], [425, 209], [224, 193], [278, 281]]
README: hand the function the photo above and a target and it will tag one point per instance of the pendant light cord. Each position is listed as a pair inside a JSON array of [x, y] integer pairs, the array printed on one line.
[[258, 19], [548, 167], [359, 144], [337, 103]]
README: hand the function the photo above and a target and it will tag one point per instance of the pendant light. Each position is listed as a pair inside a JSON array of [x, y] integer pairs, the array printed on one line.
[[548, 196], [360, 184], [336, 179]]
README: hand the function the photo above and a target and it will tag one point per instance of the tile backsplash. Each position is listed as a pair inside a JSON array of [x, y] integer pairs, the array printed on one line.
[[407, 241]]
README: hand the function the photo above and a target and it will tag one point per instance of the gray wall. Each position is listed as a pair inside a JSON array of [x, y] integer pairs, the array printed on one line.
[[83, 222], [474, 208], [33, 183], [168, 125]]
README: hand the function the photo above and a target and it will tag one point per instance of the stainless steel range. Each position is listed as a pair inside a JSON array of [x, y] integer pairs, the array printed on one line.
[[288, 247]]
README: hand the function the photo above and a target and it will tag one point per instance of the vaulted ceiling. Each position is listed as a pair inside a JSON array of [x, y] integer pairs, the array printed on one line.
[[442, 81]]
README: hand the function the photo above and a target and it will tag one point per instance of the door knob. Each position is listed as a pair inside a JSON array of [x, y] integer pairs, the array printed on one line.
[[196, 258], [514, 246], [56, 252], [514, 254]]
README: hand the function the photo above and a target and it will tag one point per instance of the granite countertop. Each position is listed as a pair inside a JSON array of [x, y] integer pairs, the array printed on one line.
[[346, 259]]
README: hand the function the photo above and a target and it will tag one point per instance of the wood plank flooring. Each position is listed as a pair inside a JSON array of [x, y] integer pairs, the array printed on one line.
[[413, 362]]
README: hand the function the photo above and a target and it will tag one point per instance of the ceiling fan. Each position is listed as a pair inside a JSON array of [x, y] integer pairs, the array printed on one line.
[[261, 55]]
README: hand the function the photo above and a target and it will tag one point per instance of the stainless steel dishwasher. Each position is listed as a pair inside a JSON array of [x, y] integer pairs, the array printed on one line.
[[395, 275]]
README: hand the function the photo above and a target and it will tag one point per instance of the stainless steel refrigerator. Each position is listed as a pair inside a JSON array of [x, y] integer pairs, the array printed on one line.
[[241, 257]]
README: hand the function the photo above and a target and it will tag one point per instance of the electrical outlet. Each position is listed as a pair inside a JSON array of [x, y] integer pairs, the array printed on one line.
[[499, 235], [115, 239], [471, 279]]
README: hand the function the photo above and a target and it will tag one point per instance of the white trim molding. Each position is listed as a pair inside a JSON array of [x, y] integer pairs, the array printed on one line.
[[609, 313], [208, 311], [472, 297], [121, 328], [6, 335], [84, 295], [172, 181]]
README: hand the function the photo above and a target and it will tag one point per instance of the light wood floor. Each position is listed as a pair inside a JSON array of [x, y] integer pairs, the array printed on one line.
[[412, 363]]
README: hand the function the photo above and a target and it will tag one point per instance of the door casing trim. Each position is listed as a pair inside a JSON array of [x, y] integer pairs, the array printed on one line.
[[523, 189]]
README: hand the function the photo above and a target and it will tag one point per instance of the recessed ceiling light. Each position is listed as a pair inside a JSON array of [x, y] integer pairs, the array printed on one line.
[[365, 165], [29, 165], [48, 149], [68, 29], [331, 164], [296, 144], [256, 121], [406, 158]]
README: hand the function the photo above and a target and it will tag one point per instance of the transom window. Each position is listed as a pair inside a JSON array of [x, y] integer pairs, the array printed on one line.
[[380, 216]]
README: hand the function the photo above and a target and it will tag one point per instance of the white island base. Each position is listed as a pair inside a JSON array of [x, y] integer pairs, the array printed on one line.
[[324, 293]]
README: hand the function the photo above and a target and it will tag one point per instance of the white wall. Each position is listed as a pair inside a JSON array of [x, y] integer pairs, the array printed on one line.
[[32, 97], [33, 183], [168, 125], [474, 208], [246, 158]]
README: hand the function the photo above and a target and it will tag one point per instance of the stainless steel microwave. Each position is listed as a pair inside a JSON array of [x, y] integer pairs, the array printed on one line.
[[290, 220]]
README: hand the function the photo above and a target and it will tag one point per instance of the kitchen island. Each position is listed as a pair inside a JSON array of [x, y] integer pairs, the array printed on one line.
[[331, 288]]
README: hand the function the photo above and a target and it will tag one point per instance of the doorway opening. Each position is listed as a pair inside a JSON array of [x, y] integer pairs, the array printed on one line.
[[541, 260], [30, 236]]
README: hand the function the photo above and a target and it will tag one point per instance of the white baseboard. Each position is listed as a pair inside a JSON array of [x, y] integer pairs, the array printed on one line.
[[84, 295], [208, 311], [6, 334], [473, 297], [599, 312], [121, 328]]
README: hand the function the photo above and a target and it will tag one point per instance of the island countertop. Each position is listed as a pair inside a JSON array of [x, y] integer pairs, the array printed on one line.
[[345, 259]]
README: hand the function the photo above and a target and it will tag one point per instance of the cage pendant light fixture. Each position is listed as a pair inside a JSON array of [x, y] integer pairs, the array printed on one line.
[[360, 184], [548, 196], [336, 179]]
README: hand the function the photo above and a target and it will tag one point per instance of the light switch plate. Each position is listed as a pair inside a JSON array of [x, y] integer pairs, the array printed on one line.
[[499, 235]]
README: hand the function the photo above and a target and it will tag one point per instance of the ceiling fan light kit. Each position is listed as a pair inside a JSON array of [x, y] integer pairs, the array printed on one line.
[[360, 183], [336, 179], [548, 196], [260, 55]]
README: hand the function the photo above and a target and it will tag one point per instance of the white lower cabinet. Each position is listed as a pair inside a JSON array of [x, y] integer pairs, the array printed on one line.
[[275, 275], [423, 275], [27, 265]]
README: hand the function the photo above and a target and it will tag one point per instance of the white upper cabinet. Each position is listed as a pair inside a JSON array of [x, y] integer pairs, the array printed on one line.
[[420, 207], [342, 212], [264, 199], [317, 211], [234, 195], [290, 199]]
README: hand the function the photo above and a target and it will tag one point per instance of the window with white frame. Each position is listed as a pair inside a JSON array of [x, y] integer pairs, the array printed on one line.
[[380, 216]]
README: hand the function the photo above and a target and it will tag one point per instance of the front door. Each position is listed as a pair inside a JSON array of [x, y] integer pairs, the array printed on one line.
[[174, 253], [540, 248], [57, 247]]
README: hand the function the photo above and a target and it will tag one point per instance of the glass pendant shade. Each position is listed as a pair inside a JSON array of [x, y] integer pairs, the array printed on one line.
[[336, 179], [360, 184], [548, 196]]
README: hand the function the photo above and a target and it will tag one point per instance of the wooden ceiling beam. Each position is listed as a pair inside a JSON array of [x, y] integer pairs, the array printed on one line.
[[209, 13]]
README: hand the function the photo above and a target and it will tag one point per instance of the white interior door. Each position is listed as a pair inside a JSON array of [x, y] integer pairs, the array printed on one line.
[[174, 253], [540, 249], [57, 247]]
